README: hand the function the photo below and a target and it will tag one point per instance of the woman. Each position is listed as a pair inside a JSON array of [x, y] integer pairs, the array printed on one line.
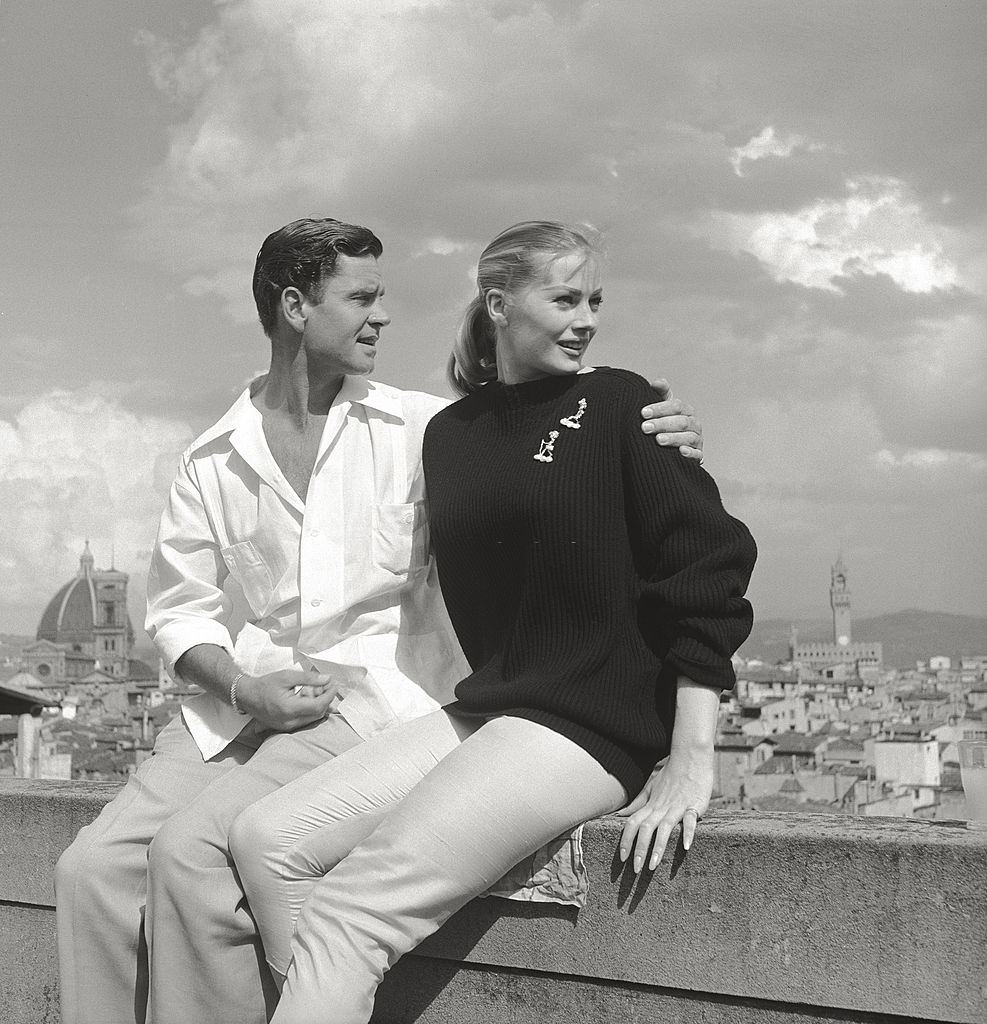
[[596, 588]]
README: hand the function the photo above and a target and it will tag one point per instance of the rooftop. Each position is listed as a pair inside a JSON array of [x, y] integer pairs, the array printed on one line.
[[797, 743], [740, 741]]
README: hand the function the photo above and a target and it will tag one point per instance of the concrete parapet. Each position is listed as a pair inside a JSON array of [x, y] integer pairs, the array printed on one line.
[[770, 918]]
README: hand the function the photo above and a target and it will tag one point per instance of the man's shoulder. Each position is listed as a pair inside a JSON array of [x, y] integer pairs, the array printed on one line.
[[419, 403], [219, 432]]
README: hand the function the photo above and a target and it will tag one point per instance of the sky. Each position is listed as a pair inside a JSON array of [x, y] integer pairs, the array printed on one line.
[[793, 198]]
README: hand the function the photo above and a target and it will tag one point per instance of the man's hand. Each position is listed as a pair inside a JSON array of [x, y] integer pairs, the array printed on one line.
[[674, 422], [286, 700]]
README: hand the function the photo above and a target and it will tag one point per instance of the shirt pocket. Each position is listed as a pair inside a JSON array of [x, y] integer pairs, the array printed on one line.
[[400, 537], [251, 573]]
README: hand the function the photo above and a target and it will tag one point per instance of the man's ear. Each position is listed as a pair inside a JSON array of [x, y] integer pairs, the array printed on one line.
[[293, 308], [496, 307]]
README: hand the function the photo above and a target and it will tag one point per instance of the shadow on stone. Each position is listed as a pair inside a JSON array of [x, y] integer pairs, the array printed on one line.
[[631, 887], [414, 983]]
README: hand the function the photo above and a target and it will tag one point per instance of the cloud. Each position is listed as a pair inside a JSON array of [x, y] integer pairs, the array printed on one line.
[[423, 118], [183, 75], [75, 467], [768, 144], [793, 201], [874, 229], [930, 460], [439, 246]]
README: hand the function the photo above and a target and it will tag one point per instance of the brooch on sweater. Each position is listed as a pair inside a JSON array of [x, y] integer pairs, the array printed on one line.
[[572, 422], [546, 448]]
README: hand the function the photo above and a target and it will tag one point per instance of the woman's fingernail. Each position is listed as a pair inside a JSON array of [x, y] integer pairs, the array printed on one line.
[[663, 438]]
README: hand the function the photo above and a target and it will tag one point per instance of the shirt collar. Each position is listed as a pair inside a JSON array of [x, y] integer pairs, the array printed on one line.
[[359, 390], [380, 397], [238, 415]]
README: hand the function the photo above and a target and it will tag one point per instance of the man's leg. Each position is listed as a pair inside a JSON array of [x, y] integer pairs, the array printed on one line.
[[100, 881], [206, 960]]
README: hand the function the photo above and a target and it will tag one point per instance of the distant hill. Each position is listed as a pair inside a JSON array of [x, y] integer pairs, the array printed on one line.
[[907, 636], [14, 639]]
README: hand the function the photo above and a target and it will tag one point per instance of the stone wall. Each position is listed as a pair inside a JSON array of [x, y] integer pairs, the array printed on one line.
[[770, 918]]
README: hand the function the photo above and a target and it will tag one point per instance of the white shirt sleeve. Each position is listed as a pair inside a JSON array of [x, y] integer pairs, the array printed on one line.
[[186, 604]]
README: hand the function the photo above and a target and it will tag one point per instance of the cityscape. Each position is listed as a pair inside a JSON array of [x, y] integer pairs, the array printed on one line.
[[829, 729]]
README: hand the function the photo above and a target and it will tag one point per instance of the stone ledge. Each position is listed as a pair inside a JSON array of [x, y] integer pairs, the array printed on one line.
[[771, 917]]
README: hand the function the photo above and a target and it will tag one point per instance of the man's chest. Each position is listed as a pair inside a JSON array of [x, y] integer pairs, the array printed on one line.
[[295, 453], [355, 532]]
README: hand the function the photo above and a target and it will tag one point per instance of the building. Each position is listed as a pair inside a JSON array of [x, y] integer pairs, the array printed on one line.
[[801, 750], [85, 628], [737, 756], [905, 758], [33, 757], [84, 641], [843, 656], [775, 715]]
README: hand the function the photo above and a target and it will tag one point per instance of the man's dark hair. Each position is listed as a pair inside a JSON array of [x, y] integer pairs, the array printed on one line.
[[302, 255]]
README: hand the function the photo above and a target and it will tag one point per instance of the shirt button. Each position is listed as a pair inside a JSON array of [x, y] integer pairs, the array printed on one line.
[[315, 602], [313, 533]]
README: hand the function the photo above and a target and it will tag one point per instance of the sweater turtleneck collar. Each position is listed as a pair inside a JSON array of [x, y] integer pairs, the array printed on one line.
[[529, 392]]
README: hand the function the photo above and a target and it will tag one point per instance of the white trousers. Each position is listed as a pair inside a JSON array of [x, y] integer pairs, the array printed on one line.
[[163, 842], [352, 865]]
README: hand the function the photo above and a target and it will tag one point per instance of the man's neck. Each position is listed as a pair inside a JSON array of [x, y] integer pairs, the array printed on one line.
[[296, 387]]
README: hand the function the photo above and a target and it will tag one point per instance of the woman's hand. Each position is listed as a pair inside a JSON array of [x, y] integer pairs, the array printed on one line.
[[679, 792]]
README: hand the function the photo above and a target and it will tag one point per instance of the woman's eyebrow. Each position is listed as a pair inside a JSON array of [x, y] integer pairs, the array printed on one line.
[[570, 289]]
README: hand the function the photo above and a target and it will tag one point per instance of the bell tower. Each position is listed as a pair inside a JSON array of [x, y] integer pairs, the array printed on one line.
[[839, 600]]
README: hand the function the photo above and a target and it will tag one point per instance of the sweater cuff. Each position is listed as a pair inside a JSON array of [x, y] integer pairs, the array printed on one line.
[[697, 662]]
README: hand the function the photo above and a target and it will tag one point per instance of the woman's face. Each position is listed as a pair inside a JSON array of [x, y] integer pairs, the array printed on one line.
[[545, 327]]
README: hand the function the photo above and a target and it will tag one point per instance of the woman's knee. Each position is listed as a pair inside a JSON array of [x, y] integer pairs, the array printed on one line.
[[251, 835]]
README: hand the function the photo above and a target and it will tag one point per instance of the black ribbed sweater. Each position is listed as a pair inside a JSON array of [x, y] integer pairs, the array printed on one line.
[[581, 584]]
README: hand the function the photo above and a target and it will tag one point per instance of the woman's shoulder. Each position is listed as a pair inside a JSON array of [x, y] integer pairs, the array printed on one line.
[[616, 382], [458, 410]]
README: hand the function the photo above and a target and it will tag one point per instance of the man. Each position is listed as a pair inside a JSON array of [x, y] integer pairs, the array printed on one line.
[[291, 581]]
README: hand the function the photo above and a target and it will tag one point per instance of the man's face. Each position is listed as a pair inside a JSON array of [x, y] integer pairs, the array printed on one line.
[[342, 324]]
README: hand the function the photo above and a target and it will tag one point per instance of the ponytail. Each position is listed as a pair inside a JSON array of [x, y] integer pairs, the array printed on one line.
[[473, 362]]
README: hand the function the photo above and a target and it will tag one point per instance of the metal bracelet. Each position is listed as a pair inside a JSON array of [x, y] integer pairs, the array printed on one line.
[[233, 697]]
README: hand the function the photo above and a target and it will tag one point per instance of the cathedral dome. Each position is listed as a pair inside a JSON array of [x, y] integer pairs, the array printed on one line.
[[72, 614]]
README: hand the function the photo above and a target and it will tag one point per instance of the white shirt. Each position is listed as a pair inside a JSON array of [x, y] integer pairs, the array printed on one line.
[[341, 583]]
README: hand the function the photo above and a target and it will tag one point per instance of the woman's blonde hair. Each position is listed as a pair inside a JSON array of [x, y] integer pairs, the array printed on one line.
[[513, 259]]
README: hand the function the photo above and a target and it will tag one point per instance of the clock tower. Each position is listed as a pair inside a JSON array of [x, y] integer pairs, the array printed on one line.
[[839, 600]]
